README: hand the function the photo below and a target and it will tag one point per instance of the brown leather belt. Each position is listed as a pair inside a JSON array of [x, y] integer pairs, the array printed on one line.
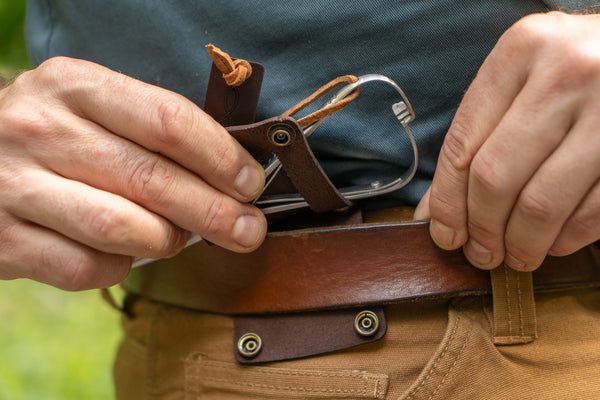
[[335, 267]]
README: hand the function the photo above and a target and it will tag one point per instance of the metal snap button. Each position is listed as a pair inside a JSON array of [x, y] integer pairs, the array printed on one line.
[[249, 345], [366, 323], [281, 135]]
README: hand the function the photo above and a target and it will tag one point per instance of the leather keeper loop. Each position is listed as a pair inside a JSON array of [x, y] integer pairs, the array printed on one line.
[[298, 160]]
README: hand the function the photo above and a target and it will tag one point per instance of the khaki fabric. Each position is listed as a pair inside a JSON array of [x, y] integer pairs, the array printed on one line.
[[432, 350], [514, 306]]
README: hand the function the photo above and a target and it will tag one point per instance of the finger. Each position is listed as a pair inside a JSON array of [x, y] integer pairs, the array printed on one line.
[[34, 252], [422, 212], [116, 165], [98, 219], [582, 227], [530, 130], [477, 116], [552, 194], [164, 122]]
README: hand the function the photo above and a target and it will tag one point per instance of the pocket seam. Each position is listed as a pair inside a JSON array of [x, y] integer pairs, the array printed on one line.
[[456, 341], [374, 385]]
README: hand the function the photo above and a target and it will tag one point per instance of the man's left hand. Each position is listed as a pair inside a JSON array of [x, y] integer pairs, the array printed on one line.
[[518, 173]]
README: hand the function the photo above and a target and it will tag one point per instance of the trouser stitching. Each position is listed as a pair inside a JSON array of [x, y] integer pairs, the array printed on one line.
[[412, 393], [508, 304], [520, 303], [462, 349]]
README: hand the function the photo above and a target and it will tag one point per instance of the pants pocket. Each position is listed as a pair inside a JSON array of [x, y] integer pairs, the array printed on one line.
[[211, 379]]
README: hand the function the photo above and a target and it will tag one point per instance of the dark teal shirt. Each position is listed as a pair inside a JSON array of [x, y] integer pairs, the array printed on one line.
[[432, 49]]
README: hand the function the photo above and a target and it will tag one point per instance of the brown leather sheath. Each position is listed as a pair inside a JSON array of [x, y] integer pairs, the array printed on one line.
[[335, 267]]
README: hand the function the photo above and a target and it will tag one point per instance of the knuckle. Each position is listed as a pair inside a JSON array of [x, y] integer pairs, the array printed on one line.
[[72, 273], [212, 223], [533, 33], [226, 158], [481, 232], [488, 173], [457, 148], [84, 273], [531, 30], [581, 63], [176, 122], [536, 207], [440, 206], [578, 66], [107, 224], [19, 123], [168, 245], [78, 277], [522, 252], [580, 230], [55, 69], [586, 224], [150, 179]]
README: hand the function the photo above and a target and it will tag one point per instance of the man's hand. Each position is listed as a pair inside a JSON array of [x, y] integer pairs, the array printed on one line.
[[518, 174], [96, 167]]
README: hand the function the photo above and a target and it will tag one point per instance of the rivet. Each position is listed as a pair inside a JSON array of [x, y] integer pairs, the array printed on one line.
[[281, 135], [366, 323], [249, 345]]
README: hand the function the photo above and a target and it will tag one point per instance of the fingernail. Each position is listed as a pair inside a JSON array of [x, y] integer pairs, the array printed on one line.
[[442, 235], [477, 254], [247, 231], [514, 262], [248, 182]]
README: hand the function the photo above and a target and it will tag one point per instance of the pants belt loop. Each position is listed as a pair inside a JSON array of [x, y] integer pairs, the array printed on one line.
[[514, 306], [124, 307]]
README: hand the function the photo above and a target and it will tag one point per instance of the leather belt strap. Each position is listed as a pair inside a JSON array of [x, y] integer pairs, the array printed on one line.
[[335, 267]]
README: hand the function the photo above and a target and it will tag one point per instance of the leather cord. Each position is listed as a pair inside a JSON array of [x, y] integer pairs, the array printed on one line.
[[328, 109], [235, 72]]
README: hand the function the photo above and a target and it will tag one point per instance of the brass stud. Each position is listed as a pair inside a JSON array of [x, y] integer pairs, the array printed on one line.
[[366, 323], [281, 135], [249, 345]]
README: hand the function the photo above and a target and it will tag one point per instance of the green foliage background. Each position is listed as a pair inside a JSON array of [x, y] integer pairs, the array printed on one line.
[[53, 344], [13, 55]]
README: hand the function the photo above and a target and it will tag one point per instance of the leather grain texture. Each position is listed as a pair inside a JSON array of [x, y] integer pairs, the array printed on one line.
[[336, 267]]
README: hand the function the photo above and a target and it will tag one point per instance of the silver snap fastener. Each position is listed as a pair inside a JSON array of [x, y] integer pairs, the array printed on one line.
[[366, 323], [249, 345]]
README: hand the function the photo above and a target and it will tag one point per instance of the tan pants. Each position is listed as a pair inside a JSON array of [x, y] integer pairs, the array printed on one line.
[[432, 350]]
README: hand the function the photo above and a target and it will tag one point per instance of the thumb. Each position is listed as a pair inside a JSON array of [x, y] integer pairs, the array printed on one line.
[[422, 211]]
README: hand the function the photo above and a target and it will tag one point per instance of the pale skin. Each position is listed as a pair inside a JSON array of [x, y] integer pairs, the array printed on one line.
[[97, 168], [518, 174]]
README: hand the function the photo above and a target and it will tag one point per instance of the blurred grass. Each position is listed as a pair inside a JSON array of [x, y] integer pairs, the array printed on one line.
[[13, 54], [53, 344]]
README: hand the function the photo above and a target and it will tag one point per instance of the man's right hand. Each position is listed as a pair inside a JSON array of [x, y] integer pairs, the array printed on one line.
[[97, 168]]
